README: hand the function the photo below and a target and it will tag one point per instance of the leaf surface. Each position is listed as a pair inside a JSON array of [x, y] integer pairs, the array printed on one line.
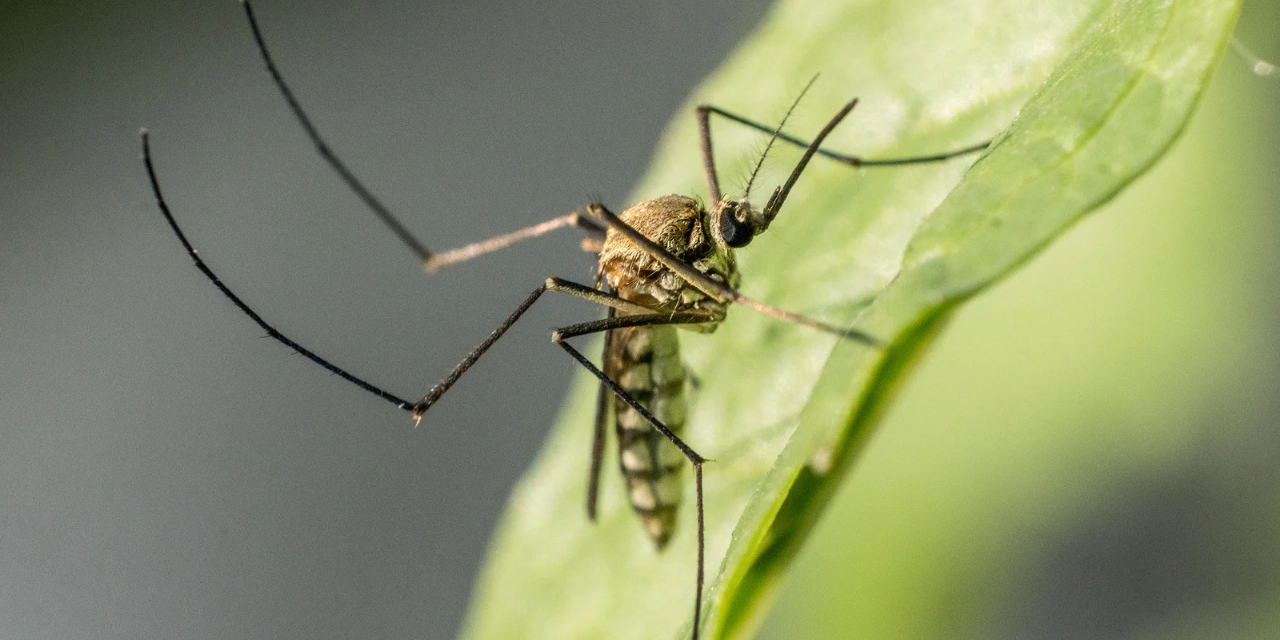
[[1082, 98]]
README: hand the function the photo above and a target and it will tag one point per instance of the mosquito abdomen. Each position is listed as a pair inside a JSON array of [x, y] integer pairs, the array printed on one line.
[[646, 363]]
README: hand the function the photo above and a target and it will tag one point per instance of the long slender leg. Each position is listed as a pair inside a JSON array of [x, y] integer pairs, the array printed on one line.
[[597, 296], [431, 261], [696, 459], [705, 111], [640, 320], [551, 284], [612, 322], [602, 408], [603, 411], [371, 201], [702, 548], [708, 156], [253, 315], [439, 261]]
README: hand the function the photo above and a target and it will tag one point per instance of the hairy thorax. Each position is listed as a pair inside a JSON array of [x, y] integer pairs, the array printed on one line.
[[677, 224]]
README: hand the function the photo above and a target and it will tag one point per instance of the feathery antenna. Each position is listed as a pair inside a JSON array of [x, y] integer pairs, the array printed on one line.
[[746, 194]]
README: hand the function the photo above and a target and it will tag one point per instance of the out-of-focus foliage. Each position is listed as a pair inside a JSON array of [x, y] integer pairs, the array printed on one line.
[[1085, 96], [1092, 449]]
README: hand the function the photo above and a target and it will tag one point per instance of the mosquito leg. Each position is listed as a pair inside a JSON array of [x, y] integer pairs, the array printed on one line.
[[596, 326], [597, 437], [702, 548], [371, 201], [432, 261], [551, 284], [705, 111], [693, 456], [253, 315], [644, 320], [718, 290], [594, 231], [708, 156], [602, 409], [597, 451], [597, 296]]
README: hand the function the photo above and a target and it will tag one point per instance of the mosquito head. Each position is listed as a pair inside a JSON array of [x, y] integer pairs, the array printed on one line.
[[735, 222]]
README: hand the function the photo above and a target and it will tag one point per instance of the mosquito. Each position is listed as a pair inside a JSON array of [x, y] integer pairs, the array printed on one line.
[[663, 264]]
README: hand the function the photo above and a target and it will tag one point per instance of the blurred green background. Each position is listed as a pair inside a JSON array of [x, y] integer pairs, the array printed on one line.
[[1092, 448]]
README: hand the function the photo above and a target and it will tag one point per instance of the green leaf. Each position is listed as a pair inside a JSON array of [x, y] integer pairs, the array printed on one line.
[[1084, 96]]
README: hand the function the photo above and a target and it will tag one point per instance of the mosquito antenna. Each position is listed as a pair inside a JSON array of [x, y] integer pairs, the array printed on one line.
[[779, 196], [746, 194]]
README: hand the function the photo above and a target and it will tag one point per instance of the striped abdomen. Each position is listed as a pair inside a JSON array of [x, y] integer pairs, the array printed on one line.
[[645, 361]]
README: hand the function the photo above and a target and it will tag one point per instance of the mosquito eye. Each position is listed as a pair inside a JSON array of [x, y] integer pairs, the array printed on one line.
[[736, 233]]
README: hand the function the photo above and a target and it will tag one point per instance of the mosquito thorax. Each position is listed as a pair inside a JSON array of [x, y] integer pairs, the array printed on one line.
[[682, 226]]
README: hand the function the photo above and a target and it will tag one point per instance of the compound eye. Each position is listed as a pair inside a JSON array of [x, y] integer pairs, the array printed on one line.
[[736, 233]]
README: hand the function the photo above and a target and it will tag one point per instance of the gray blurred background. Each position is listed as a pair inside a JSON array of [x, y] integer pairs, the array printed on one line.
[[166, 472]]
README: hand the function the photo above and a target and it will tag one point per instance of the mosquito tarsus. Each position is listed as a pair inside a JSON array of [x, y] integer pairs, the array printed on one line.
[[664, 263]]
